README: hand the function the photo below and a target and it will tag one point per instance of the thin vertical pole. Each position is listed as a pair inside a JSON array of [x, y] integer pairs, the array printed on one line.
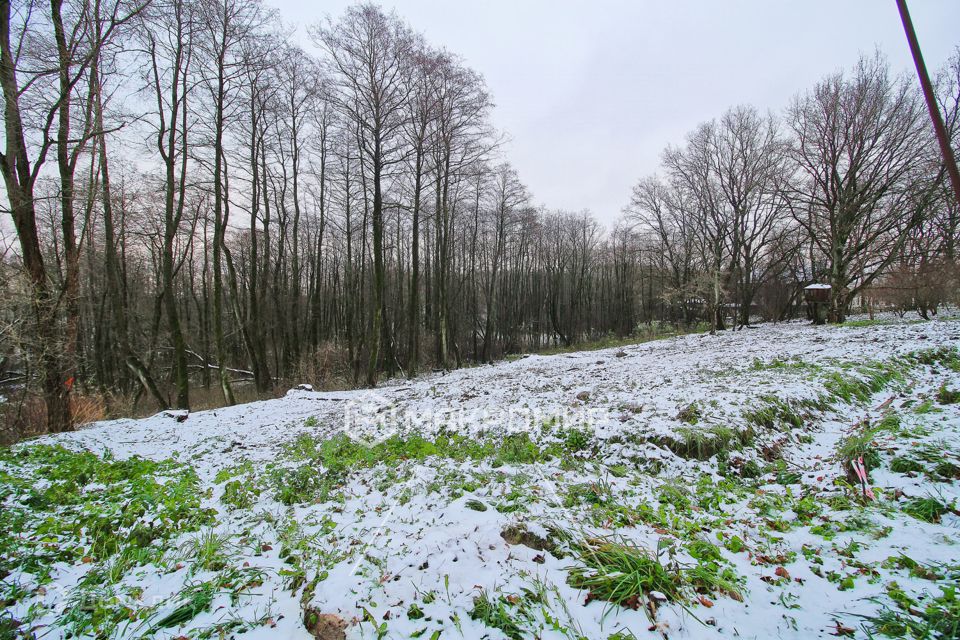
[[938, 126]]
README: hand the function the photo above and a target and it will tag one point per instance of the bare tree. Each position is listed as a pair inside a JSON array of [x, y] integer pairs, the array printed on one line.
[[368, 52], [858, 141], [168, 33], [44, 58]]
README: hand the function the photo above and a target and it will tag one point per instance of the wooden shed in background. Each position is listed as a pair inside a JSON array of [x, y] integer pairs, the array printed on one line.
[[817, 297]]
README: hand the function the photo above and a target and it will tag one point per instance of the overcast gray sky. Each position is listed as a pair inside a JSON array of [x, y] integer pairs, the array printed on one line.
[[591, 92]]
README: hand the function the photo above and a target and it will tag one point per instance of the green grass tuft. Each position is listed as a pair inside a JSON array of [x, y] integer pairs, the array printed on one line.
[[496, 613], [947, 396], [773, 412], [933, 616], [702, 443], [903, 464], [928, 509], [622, 573], [860, 445]]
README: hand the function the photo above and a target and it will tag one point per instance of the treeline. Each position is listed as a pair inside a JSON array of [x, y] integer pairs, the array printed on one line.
[[200, 204], [847, 187]]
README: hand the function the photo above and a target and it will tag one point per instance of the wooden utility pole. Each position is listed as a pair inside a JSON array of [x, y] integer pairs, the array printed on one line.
[[938, 126]]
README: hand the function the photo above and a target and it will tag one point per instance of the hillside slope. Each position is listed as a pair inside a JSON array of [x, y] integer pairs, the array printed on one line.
[[695, 487]]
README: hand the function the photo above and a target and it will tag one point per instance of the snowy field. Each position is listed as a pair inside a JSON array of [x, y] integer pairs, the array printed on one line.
[[696, 487]]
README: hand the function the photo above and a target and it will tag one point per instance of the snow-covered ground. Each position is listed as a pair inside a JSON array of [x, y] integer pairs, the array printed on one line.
[[504, 500]]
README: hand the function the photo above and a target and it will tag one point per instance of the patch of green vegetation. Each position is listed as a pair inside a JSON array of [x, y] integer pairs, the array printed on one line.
[[944, 357], [750, 469], [576, 440], [704, 550], [867, 380], [497, 613], [890, 422], [702, 443], [691, 413], [826, 530], [846, 388], [858, 445], [916, 569], [475, 505], [779, 364], [302, 484], [208, 550], [859, 521], [807, 508], [946, 470], [537, 606], [931, 616], [621, 573], [768, 503], [783, 474], [674, 494], [903, 464], [858, 382], [317, 467], [947, 396], [618, 470], [238, 494], [734, 544], [304, 552], [772, 412], [105, 610], [931, 452], [711, 494], [244, 468], [72, 505], [928, 509], [596, 493], [925, 407], [518, 448], [866, 322], [197, 597], [100, 610], [9, 626]]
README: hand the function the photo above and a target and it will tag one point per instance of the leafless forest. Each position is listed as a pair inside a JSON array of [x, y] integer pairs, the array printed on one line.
[[198, 211]]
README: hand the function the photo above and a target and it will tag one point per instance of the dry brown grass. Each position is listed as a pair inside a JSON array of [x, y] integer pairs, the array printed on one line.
[[25, 416], [327, 368], [203, 399], [88, 408], [22, 416]]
